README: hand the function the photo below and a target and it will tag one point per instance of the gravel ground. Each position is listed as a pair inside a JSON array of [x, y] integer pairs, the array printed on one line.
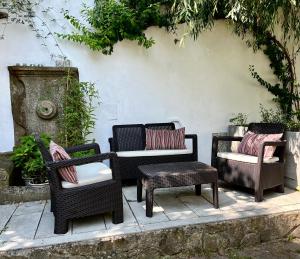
[[279, 249]]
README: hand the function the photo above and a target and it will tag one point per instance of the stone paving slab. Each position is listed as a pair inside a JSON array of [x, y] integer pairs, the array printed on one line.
[[129, 218], [173, 207], [130, 193], [95, 223], [6, 211], [46, 226], [199, 205], [21, 227], [30, 207], [139, 209]]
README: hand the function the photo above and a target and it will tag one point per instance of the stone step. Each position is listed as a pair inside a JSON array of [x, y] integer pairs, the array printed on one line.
[[190, 239]]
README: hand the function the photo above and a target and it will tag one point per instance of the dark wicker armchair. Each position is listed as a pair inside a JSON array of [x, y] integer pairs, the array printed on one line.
[[85, 200], [132, 137], [260, 175]]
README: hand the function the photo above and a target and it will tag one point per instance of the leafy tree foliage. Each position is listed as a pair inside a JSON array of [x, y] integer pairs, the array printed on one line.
[[275, 28], [110, 21]]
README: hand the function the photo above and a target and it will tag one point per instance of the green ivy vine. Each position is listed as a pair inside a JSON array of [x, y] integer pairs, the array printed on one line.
[[110, 21], [285, 91]]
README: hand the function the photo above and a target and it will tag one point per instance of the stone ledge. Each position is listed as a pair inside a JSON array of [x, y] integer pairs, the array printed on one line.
[[41, 71], [178, 242], [15, 194], [6, 169]]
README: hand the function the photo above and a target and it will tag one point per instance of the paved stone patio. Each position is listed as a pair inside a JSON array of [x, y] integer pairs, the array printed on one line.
[[31, 224]]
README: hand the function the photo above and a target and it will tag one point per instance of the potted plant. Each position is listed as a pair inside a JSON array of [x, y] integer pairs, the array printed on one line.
[[238, 127], [28, 160], [292, 155]]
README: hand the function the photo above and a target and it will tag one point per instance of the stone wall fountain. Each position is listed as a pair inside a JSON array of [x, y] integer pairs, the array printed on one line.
[[37, 105], [37, 98]]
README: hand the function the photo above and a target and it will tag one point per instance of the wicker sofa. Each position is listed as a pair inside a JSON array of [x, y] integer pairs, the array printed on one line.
[[129, 143]]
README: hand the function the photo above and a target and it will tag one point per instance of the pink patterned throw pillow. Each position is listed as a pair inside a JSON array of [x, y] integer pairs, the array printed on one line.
[[165, 139], [58, 153], [251, 143]]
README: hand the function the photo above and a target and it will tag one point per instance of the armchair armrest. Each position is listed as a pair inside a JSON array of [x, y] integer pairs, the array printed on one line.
[[84, 147], [112, 144], [215, 143], [227, 138], [195, 144], [280, 143], [86, 160]]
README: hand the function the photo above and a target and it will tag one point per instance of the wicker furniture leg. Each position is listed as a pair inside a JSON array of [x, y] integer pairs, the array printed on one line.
[[280, 188], [117, 215], [139, 190], [259, 193], [198, 189], [60, 225], [215, 194], [258, 196], [51, 202], [149, 202]]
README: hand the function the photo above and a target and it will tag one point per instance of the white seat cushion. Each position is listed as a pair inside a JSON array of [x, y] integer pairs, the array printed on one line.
[[245, 158], [90, 173], [161, 152]]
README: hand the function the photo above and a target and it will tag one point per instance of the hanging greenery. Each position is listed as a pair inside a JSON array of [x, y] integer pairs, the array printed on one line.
[[111, 21]]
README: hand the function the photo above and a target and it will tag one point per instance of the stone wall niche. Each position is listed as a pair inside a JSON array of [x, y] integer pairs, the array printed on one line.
[[37, 98]]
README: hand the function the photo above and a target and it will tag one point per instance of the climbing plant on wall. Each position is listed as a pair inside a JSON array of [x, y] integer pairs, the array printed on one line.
[[111, 21], [275, 28], [38, 16]]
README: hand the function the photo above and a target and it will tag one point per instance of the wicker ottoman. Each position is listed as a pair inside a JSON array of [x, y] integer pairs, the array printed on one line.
[[174, 175]]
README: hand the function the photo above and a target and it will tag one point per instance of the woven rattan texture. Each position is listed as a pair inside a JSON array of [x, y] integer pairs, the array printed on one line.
[[266, 128], [67, 204], [129, 137], [176, 174], [259, 176], [132, 137]]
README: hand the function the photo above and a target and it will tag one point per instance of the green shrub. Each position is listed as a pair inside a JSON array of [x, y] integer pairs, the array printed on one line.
[[271, 115], [239, 119], [276, 116], [28, 158]]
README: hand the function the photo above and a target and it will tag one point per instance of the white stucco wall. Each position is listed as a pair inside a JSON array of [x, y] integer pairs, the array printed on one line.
[[200, 84]]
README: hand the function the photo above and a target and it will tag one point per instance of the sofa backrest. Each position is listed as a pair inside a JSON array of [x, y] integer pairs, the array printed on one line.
[[266, 128], [159, 126], [129, 137], [132, 137]]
